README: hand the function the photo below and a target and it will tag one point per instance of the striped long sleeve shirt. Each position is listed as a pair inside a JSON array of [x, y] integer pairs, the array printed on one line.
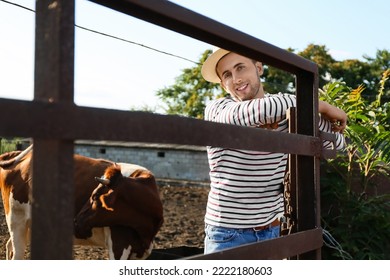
[[246, 186]]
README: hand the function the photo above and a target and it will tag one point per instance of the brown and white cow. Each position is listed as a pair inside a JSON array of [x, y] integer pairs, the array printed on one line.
[[130, 240], [110, 201]]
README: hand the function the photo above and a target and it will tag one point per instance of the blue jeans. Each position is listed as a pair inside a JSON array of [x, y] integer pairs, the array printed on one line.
[[220, 238]]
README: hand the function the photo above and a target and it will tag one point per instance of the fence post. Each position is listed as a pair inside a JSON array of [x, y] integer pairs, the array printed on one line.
[[307, 166], [52, 192]]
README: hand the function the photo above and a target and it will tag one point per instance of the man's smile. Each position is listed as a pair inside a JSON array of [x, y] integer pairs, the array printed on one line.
[[242, 87]]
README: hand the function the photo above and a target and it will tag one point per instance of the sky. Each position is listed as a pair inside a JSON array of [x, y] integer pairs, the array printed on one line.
[[114, 74]]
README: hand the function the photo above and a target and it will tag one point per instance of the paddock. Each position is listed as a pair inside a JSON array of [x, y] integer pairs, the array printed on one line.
[[177, 238], [54, 122]]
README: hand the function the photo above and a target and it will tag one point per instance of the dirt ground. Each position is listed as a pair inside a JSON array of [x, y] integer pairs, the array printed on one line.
[[184, 208]]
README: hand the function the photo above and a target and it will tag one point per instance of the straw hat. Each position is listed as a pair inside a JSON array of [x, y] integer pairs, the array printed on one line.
[[209, 71]]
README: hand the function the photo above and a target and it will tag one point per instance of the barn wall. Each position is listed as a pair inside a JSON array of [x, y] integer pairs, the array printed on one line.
[[175, 162]]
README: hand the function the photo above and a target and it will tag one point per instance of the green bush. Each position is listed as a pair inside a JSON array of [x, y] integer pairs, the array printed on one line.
[[359, 223], [7, 145], [355, 215]]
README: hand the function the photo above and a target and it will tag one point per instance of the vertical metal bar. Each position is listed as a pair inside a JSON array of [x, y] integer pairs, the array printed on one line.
[[292, 167], [307, 97], [52, 207], [317, 160], [52, 192]]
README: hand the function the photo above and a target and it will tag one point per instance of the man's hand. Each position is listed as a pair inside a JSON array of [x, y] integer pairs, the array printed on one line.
[[336, 116]]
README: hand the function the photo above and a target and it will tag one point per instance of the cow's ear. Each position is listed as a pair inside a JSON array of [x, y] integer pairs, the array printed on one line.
[[108, 200]]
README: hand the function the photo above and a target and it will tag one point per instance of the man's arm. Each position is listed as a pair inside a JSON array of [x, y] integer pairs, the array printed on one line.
[[336, 116], [254, 112]]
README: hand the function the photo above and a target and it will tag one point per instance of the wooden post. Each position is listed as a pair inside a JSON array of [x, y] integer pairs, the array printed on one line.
[[307, 166], [52, 192]]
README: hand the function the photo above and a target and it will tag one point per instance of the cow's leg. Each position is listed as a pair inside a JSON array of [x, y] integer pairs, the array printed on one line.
[[18, 221], [123, 243], [126, 253], [108, 241], [116, 252], [16, 245], [146, 254], [9, 249], [19, 241]]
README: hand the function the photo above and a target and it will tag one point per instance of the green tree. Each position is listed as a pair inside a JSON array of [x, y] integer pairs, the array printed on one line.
[[320, 55], [354, 73], [367, 73], [379, 64], [189, 95], [276, 80]]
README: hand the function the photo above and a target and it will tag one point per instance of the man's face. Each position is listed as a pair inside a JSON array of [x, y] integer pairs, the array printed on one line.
[[240, 76]]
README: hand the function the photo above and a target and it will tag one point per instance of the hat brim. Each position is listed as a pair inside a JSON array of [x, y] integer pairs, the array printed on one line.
[[209, 71]]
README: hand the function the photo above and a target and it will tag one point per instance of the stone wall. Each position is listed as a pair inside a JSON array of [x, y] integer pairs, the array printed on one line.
[[173, 162]]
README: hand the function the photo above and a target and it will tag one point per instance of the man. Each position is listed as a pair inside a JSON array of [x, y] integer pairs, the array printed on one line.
[[245, 201]]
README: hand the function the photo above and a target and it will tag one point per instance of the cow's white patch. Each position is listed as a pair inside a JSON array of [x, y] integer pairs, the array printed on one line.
[[126, 253], [145, 255], [127, 168], [108, 241], [18, 221]]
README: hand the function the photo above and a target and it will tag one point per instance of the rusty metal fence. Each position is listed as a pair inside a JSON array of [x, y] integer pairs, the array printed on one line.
[[55, 122]]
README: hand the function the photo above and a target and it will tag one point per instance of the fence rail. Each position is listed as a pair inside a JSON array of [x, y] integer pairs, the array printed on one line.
[[67, 121]]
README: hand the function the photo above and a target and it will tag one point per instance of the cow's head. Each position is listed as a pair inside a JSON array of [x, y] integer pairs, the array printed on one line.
[[132, 202]]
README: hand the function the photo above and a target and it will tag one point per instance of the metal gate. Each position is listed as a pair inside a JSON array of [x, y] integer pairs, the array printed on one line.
[[55, 122]]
